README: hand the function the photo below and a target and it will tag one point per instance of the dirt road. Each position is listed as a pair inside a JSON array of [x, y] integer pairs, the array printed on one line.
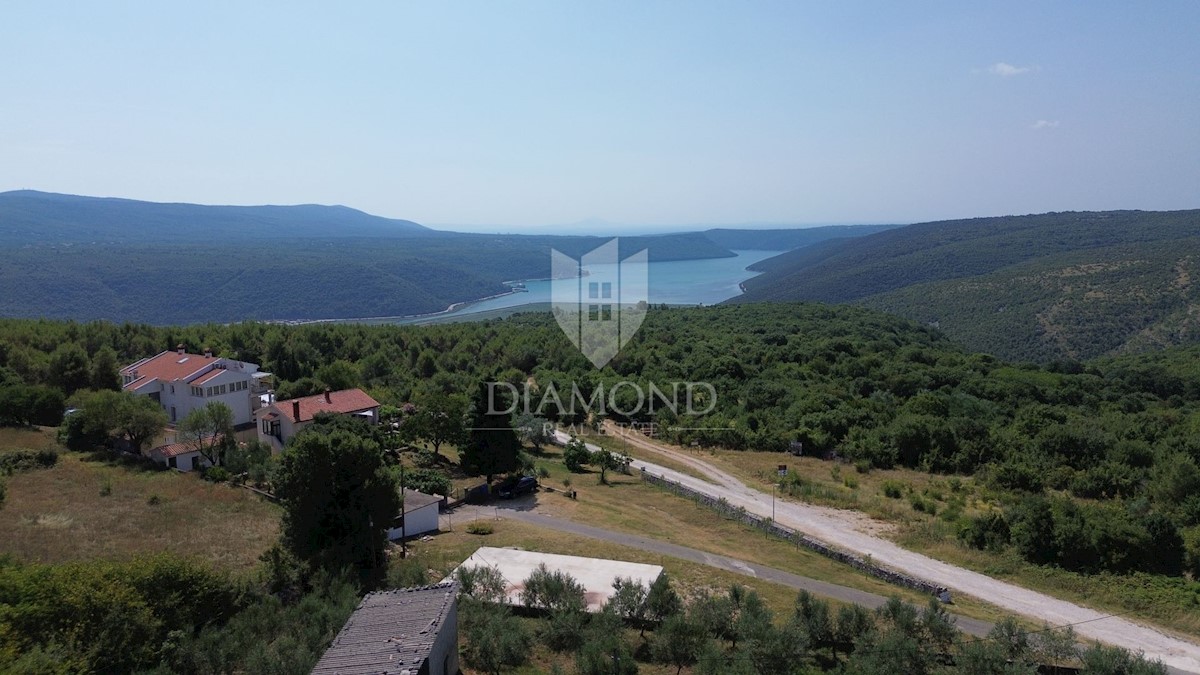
[[853, 532]]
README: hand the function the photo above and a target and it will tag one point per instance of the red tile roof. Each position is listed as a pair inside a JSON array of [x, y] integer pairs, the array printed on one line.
[[174, 449], [167, 366], [344, 401], [215, 372]]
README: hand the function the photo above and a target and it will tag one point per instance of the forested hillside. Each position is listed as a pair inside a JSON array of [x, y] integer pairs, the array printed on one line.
[[1051, 286], [786, 239], [28, 217], [86, 258], [1094, 467]]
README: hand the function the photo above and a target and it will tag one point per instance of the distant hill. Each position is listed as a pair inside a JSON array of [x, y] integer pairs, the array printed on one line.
[[786, 239], [28, 216], [1050, 286], [85, 258]]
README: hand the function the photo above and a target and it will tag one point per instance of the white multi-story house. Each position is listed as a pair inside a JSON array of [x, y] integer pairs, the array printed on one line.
[[182, 382]]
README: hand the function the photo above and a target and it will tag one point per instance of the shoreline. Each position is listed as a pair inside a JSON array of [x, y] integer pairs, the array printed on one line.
[[450, 309], [454, 307]]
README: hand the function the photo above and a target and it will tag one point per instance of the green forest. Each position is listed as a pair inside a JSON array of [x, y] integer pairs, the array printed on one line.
[[1106, 453], [1044, 287], [1092, 467]]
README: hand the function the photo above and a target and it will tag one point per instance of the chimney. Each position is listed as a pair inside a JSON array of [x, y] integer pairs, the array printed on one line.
[[207, 353], [327, 399], [179, 348], [296, 410]]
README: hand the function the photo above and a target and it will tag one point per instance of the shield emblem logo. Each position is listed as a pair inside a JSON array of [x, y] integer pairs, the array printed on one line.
[[599, 300]]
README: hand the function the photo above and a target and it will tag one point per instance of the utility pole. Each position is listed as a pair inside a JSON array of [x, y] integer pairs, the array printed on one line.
[[403, 520]]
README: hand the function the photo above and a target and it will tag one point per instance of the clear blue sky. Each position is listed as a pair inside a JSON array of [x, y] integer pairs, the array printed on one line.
[[652, 113]]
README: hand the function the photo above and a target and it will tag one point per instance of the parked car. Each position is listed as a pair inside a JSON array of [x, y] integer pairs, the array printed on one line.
[[515, 487]]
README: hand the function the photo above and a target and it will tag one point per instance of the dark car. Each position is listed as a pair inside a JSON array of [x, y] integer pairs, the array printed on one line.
[[515, 487]]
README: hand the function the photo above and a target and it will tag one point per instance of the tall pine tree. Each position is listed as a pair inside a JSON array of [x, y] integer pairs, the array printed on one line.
[[492, 445]]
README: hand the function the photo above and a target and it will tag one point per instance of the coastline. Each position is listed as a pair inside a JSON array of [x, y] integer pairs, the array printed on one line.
[[515, 287]]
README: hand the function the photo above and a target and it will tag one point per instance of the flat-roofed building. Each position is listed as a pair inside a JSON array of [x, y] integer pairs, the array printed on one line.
[[595, 574]]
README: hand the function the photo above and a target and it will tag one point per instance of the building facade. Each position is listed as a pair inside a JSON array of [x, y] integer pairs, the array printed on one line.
[[181, 382], [280, 421]]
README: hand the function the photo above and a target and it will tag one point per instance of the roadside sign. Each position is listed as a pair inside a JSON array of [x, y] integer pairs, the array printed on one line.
[[782, 470]]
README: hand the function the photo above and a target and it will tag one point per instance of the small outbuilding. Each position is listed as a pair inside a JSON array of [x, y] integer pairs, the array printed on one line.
[[179, 456], [420, 515], [412, 631]]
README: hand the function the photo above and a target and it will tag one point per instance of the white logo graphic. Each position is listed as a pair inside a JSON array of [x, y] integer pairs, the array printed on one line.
[[599, 301]]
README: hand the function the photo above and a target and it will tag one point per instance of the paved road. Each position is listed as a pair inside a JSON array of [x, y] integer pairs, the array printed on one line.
[[517, 510], [855, 532]]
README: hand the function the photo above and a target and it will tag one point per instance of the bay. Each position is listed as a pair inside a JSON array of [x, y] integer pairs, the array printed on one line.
[[675, 282]]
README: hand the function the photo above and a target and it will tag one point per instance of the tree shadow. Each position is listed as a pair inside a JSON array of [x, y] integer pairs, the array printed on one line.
[[124, 460]]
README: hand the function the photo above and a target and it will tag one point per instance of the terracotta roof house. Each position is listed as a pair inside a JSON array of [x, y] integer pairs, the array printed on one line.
[[281, 420], [181, 456], [412, 631], [181, 382]]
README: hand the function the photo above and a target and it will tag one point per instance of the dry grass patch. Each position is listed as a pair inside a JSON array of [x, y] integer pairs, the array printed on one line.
[[34, 438], [62, 513]]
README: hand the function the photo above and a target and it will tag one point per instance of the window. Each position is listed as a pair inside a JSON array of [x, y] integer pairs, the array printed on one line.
[[606, 312], [171, 462], [606, 289], [593, 290], [593, 312]]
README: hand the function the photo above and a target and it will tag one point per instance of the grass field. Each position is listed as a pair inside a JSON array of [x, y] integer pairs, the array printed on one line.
[[83, 509]]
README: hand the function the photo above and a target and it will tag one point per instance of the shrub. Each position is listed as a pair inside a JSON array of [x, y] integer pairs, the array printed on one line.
[[477, 527], [108, 616], [850, 482], [862, 466], [429, 481], [555, 591], [987, 531], [921, 504], [893, 489], [406, 573], [24, 459], [576, 455], [153, 500], [494, 637], [543, 472], [216, 474], [106, 487], [482, 583]]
